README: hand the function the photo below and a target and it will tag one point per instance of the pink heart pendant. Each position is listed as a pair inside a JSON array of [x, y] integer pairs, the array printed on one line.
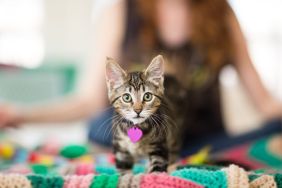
[[135, 134]]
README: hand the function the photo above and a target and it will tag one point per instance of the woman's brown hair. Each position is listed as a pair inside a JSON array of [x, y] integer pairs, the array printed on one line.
[[210, 28]]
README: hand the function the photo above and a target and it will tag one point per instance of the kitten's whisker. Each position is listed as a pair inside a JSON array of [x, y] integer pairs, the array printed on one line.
[[172, 122], [117, 122], [103, 110], [161, 126], [154, 115], [166, 124], [106, 121], [156, 127], [113, 130], [165, 119], [109, 127], [152, 123]]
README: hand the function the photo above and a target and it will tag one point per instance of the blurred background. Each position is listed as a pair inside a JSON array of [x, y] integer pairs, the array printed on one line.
[[45, 43]]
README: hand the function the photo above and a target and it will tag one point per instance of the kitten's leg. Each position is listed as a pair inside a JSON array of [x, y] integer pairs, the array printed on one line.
[[173, 156], [124, 161], [174, 152], [158, 159]]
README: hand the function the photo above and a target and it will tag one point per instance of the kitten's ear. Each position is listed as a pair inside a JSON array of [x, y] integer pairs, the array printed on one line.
[[115, 75], [155, 71]]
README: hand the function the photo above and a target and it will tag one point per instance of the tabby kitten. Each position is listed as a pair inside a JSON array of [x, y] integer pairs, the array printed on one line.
[[142, 124]]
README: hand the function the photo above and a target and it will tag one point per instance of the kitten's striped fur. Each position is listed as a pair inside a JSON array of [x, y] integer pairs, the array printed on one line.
[[160, 141]]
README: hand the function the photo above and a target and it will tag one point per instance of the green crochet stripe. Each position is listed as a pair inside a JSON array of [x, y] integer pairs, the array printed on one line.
[[209, 179], [278, 179], [39, 181], [259, 151], [253, 177], [105, 181], [113, 181]]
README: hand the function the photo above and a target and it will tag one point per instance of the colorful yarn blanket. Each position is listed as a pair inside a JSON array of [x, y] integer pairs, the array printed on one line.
[[188, 177]]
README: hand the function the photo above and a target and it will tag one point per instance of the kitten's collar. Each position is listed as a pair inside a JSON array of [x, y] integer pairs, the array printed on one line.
[[129, 124], [135, 134]]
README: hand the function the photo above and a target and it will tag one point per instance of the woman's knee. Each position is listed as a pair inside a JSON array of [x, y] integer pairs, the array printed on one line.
[[100, 130]]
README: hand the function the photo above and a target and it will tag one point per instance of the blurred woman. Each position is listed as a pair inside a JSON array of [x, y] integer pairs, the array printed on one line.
[[197, 38]]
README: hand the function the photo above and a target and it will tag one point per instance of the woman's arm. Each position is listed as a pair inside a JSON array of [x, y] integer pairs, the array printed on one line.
[[267, 104], [107, 37]]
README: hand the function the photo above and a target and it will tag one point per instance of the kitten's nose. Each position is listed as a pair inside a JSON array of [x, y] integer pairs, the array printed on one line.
[[137, 107], [138, 110]]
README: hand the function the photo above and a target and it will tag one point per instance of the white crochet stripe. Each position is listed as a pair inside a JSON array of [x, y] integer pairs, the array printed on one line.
[[236, 177], [13, 181]]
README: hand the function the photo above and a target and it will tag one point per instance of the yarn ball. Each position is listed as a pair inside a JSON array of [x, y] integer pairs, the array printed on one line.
[[73, 151], [7, 151], [21, 155], [39, 169]]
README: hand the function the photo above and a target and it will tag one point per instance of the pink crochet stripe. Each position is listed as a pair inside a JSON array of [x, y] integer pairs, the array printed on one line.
[[87, 180], [71, 181], [165, 181], [78, 181]]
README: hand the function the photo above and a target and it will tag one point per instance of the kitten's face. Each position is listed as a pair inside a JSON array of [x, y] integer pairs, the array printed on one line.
[[136, 96]]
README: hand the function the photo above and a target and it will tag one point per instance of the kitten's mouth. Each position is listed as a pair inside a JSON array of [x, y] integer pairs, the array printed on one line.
[[138, 117]]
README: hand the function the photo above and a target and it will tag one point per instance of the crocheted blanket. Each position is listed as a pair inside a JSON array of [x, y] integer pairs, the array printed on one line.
[[230, 177]]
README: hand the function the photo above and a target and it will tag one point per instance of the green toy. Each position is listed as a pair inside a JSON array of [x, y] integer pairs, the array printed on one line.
[[73, 151]]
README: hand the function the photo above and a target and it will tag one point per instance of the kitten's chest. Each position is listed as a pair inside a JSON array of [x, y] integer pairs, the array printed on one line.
[[139, 148]]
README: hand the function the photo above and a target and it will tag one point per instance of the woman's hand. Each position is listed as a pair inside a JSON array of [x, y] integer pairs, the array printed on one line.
[[9, 116]]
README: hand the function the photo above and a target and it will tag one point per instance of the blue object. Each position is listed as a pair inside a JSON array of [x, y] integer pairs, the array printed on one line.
[[100, 131]]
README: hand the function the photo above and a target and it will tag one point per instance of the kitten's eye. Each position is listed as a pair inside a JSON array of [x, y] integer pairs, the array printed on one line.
[[147, 97], [126, 98]]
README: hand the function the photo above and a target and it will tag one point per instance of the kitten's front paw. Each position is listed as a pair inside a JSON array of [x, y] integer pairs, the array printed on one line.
[[157, 168], [124, 162], [124, 167], [124, 171]]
